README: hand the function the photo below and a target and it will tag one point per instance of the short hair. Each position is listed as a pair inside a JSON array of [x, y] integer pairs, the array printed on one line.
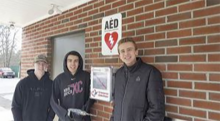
[[127, 39]]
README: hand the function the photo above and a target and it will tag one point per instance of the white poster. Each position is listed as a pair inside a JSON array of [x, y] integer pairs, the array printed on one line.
[[101, 83], [111, 34]]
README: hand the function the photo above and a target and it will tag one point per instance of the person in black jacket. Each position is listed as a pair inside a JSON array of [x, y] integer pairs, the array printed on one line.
[[138, 90], [31, 100], [71, 89]]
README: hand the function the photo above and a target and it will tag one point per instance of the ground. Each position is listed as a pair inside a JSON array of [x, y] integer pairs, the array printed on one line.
[[7, 87]]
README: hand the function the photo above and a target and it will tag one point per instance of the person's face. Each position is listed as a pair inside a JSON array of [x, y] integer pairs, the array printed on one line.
[[127, 53], [40, 66], [72, 63]]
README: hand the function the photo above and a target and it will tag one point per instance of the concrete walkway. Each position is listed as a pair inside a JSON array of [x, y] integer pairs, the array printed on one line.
[[7, 87]]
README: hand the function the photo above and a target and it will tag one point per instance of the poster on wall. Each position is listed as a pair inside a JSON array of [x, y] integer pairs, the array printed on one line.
[[101, 83], [111, 33]]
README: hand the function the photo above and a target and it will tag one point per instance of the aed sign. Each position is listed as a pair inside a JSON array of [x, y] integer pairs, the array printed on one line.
[[111, 34]]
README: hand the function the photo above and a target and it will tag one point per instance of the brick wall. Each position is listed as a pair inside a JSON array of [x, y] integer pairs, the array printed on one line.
[[180, 37]]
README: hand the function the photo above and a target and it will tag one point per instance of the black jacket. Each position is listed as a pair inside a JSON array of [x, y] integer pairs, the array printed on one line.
[[138, 94], [31, 101], [71, 91]]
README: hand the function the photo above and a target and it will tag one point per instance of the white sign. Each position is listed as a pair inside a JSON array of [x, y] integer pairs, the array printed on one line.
[[111, 34], [101, 83]]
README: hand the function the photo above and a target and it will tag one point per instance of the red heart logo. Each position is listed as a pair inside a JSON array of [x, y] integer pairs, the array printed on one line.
[[111, 39]]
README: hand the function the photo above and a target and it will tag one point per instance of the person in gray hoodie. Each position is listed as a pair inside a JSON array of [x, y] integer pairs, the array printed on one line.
[[31, 100], [71, 89]]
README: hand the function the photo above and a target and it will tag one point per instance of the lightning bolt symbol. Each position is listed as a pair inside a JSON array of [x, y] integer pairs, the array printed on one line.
[[111, 40]]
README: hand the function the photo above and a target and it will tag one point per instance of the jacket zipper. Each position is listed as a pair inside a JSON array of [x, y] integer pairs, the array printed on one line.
[[124, 94]]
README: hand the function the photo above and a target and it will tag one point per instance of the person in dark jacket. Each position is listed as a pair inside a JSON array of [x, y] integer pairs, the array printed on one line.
[[31, 100], [138, 90], [71, 89]]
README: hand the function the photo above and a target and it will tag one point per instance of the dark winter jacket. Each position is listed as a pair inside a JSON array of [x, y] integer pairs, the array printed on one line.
[[138, 94], [31, 101], [71, 91]]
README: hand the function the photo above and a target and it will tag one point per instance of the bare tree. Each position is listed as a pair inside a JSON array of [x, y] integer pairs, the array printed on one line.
[[8, 37]]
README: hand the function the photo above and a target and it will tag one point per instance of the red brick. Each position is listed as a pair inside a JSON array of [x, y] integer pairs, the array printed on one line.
[[178, 101], [148, 59], [214, 38], [104, 8], [179, 67], [110, 1], [174, 2], [118, 3], [214, 20], [180, 84], [207, 67], [193, 76], [166, 11], [179, 33], [214, 57], [166, 27], [193, 5], [161, 67], [207, 48], [77, 11], [193, 40], [192, 23], [154, 21], [136, 25], [192, 58], [206, 12], [154, 51], [155, 36], [128, 33], [207, 86], [179, 16], [193, 112], [143, 3], [98, 4], [97, 27], [94, 44], [154, 6], [171, 108], [214, 116], [135, 12], [98, 107], [94, 22], [178, 116], [144, 16], [126, 7], [145, 45], [170, 75], [98, 60], [196, 119], [128, 20], [192, 94], [144, 31], [178, 50], [166, 43], [97, 50], [206, 30], [111, 12], [206, 105], [93, 11], [87, 8], [214, 77], [214, 96], [107, 109], [170, 92]]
